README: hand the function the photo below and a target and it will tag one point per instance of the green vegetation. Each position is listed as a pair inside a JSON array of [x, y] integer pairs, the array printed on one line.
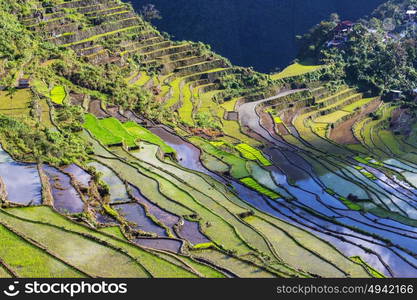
[[116, 128], [350, 205], [175, 86], [133, 256], [64, 242], [393, 56], [250, 182], [114, 230], [102, 80], [357, 105], [375, 273], [58, 94], [237, 164], [16, 104], [277, 120], [186, 109], [31, 261], [104, 135], [296, 69], [43, 145], [369, 175], [111, 131], [251, 153], [144, 78], [146, 135]]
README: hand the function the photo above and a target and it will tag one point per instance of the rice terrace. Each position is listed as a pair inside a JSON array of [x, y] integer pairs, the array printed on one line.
[[127, 153]]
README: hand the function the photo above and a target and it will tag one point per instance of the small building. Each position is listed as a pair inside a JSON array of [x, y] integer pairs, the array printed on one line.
[[394, 95], [414, 94], [341, 32], [24, 83], [337, 42], [411, 13], [344, 27]]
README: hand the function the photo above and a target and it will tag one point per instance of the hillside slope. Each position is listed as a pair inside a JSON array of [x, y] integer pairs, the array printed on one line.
[[164, 159]]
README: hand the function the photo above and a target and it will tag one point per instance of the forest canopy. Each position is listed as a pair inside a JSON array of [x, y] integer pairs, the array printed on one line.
[[378, 54]]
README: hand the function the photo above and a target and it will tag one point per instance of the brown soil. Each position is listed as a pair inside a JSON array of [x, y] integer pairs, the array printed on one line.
[[268, 123], [206, 132], [281, 129], [77, 99], [114, 112], [401, 121], [288, 116], [232, 116], [95, 109], [343, 134]]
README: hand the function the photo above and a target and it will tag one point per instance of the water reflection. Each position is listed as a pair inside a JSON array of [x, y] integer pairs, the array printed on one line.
[[23, 184]]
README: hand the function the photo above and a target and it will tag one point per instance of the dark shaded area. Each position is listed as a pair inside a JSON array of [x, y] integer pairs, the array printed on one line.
[[251, 33]]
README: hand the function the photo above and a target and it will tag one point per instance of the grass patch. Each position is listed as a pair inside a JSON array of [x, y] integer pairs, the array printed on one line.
[[205, 246], [332, 117], [45, 116], [58, 94], [114, 231], [143, 79], [116, 128], [186, 110], [349, 204], [361, 160], [277, 120], [102, 134], [251, 153], [253, 184], [296, 69], [28, 260], [175, 96], [357, 105], [330, 192], [147, 136], [230, 105], [237, 164], [15, 104], [368, 161], [368, 175], [157, 266], [375, 273], [41, 87]]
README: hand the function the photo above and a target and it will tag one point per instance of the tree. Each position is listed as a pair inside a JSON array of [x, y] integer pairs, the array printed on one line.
[[334, 17], [311, 43], [149, 12]]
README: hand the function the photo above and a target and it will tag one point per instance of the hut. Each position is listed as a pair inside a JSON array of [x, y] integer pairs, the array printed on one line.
[[344, 27], [341, 32], [414, 94], [24, 83], [394, 95], [411, 13]]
